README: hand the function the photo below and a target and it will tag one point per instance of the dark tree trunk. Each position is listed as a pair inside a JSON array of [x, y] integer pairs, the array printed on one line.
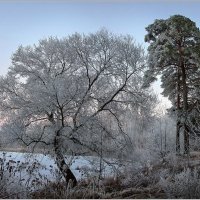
[[185, 110], [178, 114], [178, 137], [186, 140], [60, 161], [185, 95]]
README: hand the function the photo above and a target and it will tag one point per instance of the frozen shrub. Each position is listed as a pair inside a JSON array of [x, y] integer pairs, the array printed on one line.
[[19, 178], [10, 186], [183, 185]]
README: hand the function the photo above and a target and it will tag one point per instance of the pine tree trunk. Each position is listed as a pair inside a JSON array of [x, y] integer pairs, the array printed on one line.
[[185, 96], [60, 161], [186, 140], [185, 110], [178, 114], [178, 137]]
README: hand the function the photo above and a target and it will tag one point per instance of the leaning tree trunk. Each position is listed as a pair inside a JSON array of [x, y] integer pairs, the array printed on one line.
[[60, 161]]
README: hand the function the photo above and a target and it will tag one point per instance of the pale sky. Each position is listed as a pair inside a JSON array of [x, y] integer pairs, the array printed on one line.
[[27, 22]]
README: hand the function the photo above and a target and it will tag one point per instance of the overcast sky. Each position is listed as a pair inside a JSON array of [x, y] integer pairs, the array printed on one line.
[[26, 23]]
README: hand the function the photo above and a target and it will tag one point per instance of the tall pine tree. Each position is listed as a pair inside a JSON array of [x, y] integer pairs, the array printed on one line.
[[174, 53]]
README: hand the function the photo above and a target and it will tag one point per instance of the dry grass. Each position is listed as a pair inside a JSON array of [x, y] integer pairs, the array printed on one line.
[[60, 191], [110, 188], [137, 193]]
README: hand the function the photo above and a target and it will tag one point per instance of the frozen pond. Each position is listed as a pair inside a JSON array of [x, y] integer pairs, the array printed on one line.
[[25, 167]]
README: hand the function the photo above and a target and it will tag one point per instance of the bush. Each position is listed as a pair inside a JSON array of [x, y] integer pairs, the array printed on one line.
[[183, 185], [19, 178]]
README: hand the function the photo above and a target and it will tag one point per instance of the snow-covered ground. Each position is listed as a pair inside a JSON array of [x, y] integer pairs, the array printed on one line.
[[25, 167]]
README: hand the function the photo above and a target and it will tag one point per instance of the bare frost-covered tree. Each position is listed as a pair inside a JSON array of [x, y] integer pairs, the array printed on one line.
[[60, 92]]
